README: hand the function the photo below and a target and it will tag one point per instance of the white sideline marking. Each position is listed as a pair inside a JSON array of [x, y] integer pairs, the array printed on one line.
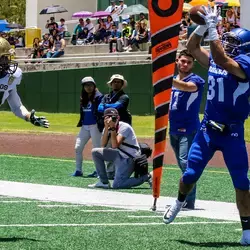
[[117, 224], [114, 199], [22, 201]]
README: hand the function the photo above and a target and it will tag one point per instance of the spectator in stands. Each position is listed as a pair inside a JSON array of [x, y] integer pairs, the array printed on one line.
[[125, 36], [78, 29], [125, 18], [46, 44], [54, 33], [142, 36], [109, 24], [85, 37], [36, 51], [143, 19], [90, 26], [58, 48], [19, 41], [100, 32], [133, 36], [62, 28], [115, 35], [51, 25], [11, 39], [231, 17], [89, 101], [113, 10], [132, 23], [237, 23]]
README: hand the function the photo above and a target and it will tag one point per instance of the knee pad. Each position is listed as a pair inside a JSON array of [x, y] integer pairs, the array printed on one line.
[[191, 176], [240, 180]]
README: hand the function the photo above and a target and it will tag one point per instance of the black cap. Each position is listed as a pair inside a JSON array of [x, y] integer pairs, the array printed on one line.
[[111, 112]]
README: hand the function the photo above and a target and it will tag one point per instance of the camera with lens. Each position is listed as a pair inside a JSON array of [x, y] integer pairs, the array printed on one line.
[[114, 118]]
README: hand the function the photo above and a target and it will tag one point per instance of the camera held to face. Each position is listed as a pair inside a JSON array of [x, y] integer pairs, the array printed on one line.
[[114, 118]]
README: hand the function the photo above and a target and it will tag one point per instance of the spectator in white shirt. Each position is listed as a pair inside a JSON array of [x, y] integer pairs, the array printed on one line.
[[125, 18], [90, 26], [62, 28], [113, 9]]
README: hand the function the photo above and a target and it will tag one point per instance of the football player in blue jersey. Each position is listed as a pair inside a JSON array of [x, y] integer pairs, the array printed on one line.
[[226, 110], [10, 77], [184, 113]]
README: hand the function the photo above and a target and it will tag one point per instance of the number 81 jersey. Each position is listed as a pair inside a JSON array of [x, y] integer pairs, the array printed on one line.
[[8, 83], [227, 96]]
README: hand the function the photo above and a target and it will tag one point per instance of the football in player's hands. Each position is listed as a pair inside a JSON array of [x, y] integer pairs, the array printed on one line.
[[38, 121], [195, 17]]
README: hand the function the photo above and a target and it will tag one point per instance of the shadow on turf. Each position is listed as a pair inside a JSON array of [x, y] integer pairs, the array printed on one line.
[[14, 239], [209, 244]]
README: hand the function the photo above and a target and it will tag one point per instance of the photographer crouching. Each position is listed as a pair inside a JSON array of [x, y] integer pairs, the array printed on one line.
[[125, 154]]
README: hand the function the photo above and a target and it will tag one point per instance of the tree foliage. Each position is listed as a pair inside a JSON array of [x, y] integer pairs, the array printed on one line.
[[13, 11]]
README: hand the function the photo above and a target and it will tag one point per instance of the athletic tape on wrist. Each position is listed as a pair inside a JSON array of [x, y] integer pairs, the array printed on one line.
[[200, 30]]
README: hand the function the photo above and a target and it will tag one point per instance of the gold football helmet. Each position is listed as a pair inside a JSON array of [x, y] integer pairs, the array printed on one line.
[[7, 66]]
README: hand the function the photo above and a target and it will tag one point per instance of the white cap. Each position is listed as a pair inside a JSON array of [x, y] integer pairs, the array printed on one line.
[[124, 22], [88, 79]]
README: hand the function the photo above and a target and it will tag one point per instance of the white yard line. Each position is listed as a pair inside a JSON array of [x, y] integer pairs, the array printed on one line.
[[108, 211], [113, 199], [117, 224], [62, 206], [152, 216], [88, 211]]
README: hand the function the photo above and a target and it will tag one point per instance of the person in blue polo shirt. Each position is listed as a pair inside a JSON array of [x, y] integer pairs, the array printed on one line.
[[184, 113]]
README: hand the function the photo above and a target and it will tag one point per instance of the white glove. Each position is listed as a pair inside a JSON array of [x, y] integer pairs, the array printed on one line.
[[201, 30], [38, 121], [211, 19]]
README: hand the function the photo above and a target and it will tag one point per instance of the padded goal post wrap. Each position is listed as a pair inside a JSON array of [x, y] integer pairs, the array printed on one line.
[[165, 19]]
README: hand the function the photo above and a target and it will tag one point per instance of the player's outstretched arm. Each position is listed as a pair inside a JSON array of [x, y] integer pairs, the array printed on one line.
[[194, 46], [224, 61], [20, 111], [218, 54], [185, 86]]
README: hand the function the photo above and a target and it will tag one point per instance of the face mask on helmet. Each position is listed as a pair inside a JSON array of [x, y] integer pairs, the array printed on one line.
[[236, 42], [7, 66], [231, 44]]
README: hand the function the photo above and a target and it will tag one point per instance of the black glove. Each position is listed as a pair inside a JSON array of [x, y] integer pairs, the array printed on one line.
[[38, 121]]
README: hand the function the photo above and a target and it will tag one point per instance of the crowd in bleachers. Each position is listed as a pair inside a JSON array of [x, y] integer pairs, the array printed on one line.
[[121, 33], [228, 22], [127, 35]]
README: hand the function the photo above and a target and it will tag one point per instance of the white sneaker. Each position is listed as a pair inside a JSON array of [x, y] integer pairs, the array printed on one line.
[[245, 239], [172, 212], [99, 184]]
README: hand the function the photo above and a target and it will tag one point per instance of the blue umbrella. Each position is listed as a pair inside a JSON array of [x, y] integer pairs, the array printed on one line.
[[3, 24]]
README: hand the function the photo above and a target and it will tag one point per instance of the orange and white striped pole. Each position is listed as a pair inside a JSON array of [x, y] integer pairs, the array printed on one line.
[[165, 19]]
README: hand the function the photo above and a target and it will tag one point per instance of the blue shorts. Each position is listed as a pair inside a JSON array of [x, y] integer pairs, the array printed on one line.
[[233, 148]]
